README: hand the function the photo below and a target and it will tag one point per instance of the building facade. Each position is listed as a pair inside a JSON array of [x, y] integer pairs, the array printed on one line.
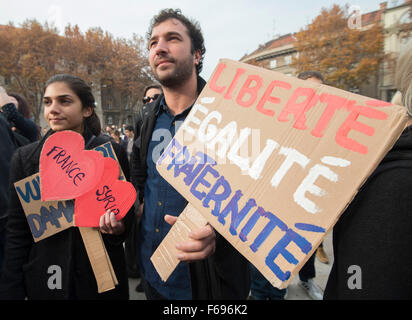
[[397, 23], [116, 107], [395, 18], [276, 55]]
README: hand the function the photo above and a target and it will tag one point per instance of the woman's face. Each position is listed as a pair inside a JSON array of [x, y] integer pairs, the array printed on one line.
[[63, 109]]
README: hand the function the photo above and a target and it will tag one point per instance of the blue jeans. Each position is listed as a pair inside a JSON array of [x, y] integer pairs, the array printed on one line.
[[261, 289]]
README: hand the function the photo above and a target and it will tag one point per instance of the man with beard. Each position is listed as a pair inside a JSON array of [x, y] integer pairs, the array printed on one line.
[[216, 270]]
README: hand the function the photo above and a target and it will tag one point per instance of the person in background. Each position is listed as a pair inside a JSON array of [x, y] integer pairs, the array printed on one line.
[[217, 270], [122, 131], [115, 134], [68, 105], [371, 240], [108, 131], [129, 133], [17, 112], [7, 148], [151, 93]]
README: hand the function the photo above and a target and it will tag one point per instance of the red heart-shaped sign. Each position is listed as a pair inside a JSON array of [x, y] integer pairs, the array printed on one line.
[[67, 171], [110, 193]]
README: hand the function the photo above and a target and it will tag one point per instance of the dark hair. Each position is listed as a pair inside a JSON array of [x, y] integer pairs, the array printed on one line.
[[152, 86], [311, 74], [193, 27], [129, 128], [23, 107], [84, 92]]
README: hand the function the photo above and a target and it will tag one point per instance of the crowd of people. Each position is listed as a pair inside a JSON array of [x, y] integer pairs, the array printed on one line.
[[373, 232]]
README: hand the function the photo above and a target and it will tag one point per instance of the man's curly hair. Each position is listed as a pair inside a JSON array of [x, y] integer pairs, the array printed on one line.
[[192, 26]]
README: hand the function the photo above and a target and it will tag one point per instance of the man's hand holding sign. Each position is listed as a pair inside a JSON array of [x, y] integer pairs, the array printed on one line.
[[199, 245], [312, 147]]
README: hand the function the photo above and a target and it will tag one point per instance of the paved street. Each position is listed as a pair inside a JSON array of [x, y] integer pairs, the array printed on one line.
[[295, 292]]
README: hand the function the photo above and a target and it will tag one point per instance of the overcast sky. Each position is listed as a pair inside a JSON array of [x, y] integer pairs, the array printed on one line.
[[231, 28]]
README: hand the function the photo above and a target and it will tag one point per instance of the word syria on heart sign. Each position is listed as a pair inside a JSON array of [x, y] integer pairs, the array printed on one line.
[[271, 161]]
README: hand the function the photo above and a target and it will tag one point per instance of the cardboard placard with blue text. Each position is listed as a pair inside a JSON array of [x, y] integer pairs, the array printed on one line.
[[271, 161], [46, 218]]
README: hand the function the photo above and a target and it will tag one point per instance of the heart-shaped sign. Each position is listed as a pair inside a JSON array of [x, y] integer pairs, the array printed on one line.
[[67, 171], [110, 193]]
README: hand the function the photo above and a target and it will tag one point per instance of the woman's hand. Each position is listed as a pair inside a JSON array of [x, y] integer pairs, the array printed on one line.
[[109, 224], [201, 243], [4, 98]]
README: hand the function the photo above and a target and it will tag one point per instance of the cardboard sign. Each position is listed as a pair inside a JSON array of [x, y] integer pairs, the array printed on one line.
[[110, 193], [67, 171], [164, 258], [99, 259], [107, 151], [271, 161], [45, 218], [48, 218]]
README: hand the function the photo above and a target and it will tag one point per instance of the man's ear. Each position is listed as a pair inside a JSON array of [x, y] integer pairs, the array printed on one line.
[[197, 56]]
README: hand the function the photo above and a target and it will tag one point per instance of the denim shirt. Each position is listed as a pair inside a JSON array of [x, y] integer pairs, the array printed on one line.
[[160, 198]]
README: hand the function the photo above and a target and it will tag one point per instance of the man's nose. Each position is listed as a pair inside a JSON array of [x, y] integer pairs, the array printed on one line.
[[161, 46]]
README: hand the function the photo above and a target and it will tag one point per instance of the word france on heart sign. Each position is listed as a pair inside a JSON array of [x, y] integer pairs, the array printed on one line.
[[271, 162], [66, 169]]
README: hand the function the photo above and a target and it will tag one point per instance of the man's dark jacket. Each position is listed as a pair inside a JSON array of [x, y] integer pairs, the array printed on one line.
[[25, 270], [225, 274]]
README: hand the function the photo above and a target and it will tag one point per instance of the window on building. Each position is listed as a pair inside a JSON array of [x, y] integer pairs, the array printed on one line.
[[288, 60], [273, 64]]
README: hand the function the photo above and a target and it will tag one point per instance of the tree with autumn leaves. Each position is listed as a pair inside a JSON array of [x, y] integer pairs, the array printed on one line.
[[347, 57], [32, 53]]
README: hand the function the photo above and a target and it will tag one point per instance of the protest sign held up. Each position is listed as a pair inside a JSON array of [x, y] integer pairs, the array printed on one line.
[[46, 218], [271, 161]]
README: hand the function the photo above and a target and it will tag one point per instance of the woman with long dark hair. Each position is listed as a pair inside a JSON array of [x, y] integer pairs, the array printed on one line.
[[68, 105]]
